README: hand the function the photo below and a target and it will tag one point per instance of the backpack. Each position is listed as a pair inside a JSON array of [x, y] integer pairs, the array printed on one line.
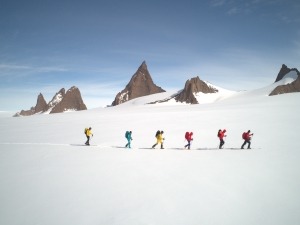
[[157, 133], [244, 135], [85, 130], [186, 135], [218, 135], [126, 134]]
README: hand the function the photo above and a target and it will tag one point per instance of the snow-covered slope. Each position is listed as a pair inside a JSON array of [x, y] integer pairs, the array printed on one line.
[[168, 98], [261, 94], [49, 177], [213, 97]]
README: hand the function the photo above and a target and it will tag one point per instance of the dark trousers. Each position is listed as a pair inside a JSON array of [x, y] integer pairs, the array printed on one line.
[[161, 145], [88, 140], [245, 142], [188, 144], [222, 142]]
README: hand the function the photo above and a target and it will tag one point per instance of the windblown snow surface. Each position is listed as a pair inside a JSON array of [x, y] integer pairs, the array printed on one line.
[[49, 177]]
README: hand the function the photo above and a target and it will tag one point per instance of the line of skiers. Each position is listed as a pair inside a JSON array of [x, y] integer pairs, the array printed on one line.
[[188, 137]]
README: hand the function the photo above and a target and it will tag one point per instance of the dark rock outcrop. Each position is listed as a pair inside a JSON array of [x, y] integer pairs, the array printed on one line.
[[287, 88], [57, 98], [192, 86], [284, 71], [72, 100], [29, 112], [141, 84], [61, 102], [41, 106]]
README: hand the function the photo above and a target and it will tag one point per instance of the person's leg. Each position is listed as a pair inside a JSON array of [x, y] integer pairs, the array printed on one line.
[[221, 143], [243, 144], [129, 143], [187, 145], [155, 144], [88, 140], [249, 143]]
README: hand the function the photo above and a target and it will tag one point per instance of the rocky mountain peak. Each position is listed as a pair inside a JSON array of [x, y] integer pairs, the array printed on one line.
[[143, 66], [140, 84], [284, 71], [62, 101], [72, 100], [287, 88], [193, 86], [57, 98], [41, 104]]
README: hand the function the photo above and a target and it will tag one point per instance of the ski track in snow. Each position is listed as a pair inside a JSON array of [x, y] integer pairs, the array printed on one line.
[[52, 144], [122, 147]]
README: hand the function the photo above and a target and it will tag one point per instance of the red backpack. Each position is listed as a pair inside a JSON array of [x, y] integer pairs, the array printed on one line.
[[186, 135], [244, 136]]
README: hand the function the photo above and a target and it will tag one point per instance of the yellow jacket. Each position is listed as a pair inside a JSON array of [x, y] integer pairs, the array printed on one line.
[[159, 138], [89, 132]]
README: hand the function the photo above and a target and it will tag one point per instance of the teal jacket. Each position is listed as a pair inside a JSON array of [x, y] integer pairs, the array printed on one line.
[[128, 136]]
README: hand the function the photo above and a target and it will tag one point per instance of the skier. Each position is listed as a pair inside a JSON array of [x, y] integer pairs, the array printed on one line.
[[129, 139], [247, 137], [188, 137], [221, 135], [88, 133], [159, 138]]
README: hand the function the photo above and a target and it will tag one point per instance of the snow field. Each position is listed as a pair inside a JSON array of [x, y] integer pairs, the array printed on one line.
[[48, 178]]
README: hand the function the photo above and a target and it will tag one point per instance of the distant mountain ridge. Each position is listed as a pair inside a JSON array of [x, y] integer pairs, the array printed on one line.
[[62, 101], [141, 84], [197, 91]]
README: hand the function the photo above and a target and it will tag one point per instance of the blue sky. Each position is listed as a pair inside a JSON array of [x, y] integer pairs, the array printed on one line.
[[98, 45]]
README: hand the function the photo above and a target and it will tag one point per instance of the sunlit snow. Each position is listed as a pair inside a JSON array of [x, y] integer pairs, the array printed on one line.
[[49, 177]]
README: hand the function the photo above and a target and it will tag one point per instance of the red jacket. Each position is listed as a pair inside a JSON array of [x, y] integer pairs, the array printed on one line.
[[222, 134], [248, 136], [188, 136]]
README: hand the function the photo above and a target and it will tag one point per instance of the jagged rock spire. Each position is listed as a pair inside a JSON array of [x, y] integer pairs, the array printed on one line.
[[287, 88], [41, 104], [141, 84], [285, 70], [72, 100]]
